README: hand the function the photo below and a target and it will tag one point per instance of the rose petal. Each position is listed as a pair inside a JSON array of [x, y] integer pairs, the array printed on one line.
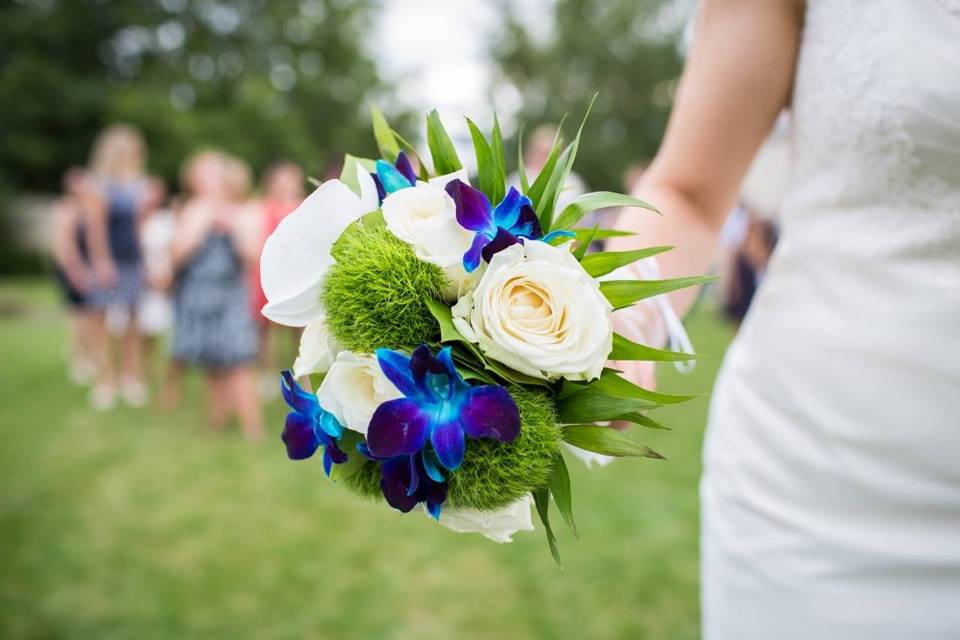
[[490, 412]]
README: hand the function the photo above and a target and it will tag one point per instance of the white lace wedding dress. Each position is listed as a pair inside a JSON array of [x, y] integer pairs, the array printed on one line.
[[831, 491]]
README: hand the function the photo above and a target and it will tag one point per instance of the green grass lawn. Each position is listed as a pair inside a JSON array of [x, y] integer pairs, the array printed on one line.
[[140, 524]]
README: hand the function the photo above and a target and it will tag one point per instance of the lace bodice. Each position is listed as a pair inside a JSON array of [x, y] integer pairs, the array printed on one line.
[[876, 139]]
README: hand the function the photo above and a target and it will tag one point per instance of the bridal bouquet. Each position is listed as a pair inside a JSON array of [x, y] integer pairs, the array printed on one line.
[[459, 332]]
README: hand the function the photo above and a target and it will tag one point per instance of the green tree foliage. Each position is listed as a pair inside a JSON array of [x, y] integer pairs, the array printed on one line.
[[258, 78], [624, 49]]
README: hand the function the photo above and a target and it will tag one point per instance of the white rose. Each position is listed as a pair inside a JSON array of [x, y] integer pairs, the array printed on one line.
[[317, 349], [425, 217], [353, 389], [536, 310], [498, 526]]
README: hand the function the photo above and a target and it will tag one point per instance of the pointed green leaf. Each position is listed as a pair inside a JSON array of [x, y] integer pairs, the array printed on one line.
[[444, 154], [623, 293], [444, 316], [499, 160], [541, 498], [386, 141], [581, 251], [488, 176], [558, 182], [612, 383], [560, 489], [521, 167], [588, 202], [607, 441], [600, 234], [643, 420], [535, 192], [593, 405], [604, 262], [626, 349]]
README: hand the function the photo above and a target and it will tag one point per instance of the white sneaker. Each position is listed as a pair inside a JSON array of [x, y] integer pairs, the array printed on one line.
[[102, 397], [133, 393]]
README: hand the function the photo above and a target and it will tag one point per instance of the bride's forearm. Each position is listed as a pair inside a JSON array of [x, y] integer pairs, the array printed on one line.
[[684, 225]]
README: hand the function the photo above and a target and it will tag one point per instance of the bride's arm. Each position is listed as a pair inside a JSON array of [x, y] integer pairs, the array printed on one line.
[[737, 79]]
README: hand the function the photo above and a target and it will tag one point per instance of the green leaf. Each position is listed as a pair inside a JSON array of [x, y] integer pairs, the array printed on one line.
[[444, 316], [559, 484], [600, 234], [623, 293], [642, 420], [604, 262], [491, 184], [594, 405], [588, 202], [612, 383], [386, 140], [546, 207], [535, 192], [521, 167], [499, 159], [581, 251], [542, 499], [348, 175], [444, 154], [626, 349], [607, 441]]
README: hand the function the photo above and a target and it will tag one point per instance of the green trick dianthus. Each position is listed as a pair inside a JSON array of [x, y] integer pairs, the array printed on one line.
[[374, 293]]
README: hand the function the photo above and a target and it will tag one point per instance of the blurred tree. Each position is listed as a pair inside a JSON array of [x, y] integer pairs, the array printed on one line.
[[258, 78], [627, 50]]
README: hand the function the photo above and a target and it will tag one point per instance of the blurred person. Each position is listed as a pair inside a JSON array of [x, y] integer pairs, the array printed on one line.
[[75, 276], [215, 240], [282, 191], [155, 310], [830, 495], [120, 194], [749, 264]]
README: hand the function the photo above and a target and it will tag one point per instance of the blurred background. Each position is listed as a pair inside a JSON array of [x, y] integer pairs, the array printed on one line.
[[144, 493]]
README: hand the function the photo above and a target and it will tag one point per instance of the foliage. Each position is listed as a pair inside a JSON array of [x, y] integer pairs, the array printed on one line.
[[259, 79], [374, 293], [622, 48]]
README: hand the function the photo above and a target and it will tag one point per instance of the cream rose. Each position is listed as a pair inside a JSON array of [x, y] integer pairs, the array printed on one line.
[[535, 309], [354, 388], [499, 525], [317, 351], [425, 217]]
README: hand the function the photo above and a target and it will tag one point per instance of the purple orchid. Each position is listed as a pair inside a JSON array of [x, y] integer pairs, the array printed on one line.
[[438, 406], [408, 480], [496, 228], [393, 177], [309, 426]]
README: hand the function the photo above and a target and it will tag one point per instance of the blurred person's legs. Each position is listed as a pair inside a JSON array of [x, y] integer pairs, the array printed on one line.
[[218, 398], [133, 390], [245, 400], [172, 388], [102, 394]]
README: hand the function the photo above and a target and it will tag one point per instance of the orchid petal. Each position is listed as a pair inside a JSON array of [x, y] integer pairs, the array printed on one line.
[[381, 192], [296, 397], [473, 208], [300, 436], [330, 425], [414, 475], [501, 241], [396, 366], [527, 224], [473, 256], [404, 167], [436, 496], [327, 462], [338, 455], [392, 179], [433, 510], [394, 483], [398, 427], [296, 256], [490, 412], [448, 443], [456, 382], [507, 213], [430, 467]]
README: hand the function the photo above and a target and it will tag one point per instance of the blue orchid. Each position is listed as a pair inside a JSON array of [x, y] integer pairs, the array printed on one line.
[[393, 177], [408, 480], [309, 426], [438, 406], [496, 228]]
